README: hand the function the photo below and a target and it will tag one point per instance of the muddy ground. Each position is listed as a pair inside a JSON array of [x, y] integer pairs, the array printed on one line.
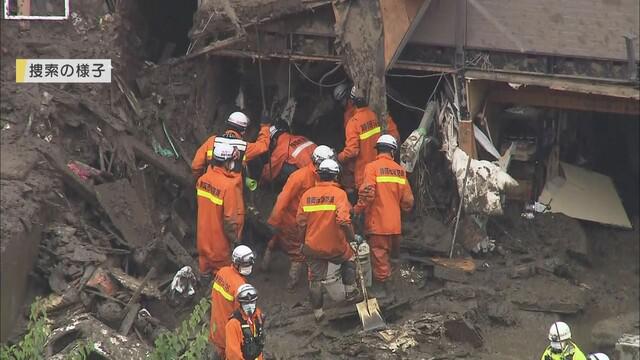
[[501, 310]]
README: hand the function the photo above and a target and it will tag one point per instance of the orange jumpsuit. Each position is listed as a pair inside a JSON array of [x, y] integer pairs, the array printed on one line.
[[293, 149], [322, 210], [283, 215], [218, 202], [361, 133], [235, 338], [204, 154], [223, 303], [383, 194]]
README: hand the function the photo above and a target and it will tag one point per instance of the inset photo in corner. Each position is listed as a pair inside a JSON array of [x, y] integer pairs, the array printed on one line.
[[36, 9]]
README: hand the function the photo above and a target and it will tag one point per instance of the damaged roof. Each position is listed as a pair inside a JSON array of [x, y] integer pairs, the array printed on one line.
[[580, 28]]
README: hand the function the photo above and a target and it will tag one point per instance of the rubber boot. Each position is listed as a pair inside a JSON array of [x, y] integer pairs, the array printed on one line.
[[294, 275], [379, 289], [266, 260]]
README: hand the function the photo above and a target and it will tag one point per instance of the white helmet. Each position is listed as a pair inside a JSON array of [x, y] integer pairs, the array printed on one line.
[[242, 256], [239, 120], [223, 152], [329, 166], [340, 92], [321, 153], [388, 141], [246, 293], [598, 356], [558, 333]]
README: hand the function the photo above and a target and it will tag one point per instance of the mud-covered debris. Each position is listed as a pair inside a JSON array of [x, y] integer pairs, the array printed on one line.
[[486, 182], [403, 337], [110, 312], [84, 171], [462, 330], [183, 282], [131, 283], [106, 342], [102, 282], [501, 313]]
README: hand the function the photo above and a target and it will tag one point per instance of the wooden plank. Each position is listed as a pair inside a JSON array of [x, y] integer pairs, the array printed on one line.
[[144, 152], [24, 7], [558, 83], [537, 96], [395, 23], [414, 16], [466, 138]]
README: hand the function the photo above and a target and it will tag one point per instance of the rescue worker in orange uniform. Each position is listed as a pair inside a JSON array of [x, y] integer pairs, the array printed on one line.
[[340, 95], [225, 285], [324, 218], [218, 218], [384, 193], [236, 126], [283, 215], [361, 133], [288, 153], [245, 329]]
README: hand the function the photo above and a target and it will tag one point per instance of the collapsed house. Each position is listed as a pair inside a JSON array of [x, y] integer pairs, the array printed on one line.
[[500, 108]]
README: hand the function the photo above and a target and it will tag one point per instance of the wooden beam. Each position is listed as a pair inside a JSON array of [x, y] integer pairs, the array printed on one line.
[[544, 97], [407, 34], [24, 7]]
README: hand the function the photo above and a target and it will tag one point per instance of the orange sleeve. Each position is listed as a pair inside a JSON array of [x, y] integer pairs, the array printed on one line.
[[392, 128], [260, 146], [343, 209], [199, 163], [230, 203], [406, 198], [352, 143], [233, 341], [282, 202], [301, 216], [367, 191]]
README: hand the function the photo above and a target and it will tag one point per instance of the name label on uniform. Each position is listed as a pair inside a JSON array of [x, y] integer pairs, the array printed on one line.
[[319, 203], [209, 192], [387, 175], [369, 129]]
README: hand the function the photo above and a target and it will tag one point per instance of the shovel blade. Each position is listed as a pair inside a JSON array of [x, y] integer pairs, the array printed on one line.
[[369, 313]]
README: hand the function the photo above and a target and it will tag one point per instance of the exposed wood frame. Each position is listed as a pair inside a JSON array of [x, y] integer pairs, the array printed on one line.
[[559, 99], [405, 39]]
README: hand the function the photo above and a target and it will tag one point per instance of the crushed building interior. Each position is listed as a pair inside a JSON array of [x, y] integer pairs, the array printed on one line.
[[519, 132]]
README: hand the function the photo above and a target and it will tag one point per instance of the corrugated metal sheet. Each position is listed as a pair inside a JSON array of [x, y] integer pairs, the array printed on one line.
[[584, 28]]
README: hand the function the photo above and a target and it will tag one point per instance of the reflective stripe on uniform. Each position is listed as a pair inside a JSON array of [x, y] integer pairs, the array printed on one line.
[[214, 199], [367, 134], [314, 208], [391, 179], [302, 146], [217, 287], [209, 154]]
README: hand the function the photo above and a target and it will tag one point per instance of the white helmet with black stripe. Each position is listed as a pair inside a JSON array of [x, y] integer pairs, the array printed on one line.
[[322, 153]]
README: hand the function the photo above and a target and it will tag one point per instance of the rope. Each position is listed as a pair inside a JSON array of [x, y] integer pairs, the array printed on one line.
[[430, 96], [315, 82]]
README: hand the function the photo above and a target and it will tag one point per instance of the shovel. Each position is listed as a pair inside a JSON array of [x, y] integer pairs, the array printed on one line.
[[368, 309]]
